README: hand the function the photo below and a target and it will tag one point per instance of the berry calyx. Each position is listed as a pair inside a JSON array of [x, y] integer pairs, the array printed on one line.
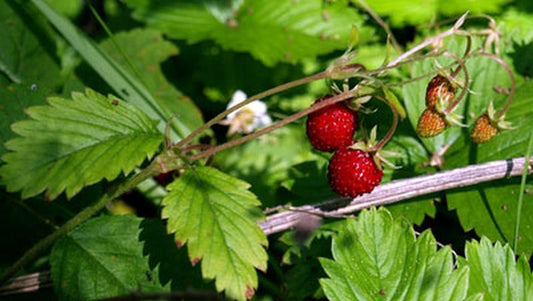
[[439, 90], [331, 127], [431, 123], [353, 172]]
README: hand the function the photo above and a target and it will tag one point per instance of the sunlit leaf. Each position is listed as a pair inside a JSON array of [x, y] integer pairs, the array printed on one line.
[[69, 144], [378, 258], [271, 30], [216, 216]]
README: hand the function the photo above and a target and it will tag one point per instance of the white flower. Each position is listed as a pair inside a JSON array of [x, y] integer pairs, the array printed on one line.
[[252, 116]]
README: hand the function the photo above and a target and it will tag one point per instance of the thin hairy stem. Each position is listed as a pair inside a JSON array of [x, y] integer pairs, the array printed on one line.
[[458, 99], [300, 114], [392, 129], [266, 93]]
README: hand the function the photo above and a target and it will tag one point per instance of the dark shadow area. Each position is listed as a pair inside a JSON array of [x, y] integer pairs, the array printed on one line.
[[523, 58], [173, 263], [446, 227]]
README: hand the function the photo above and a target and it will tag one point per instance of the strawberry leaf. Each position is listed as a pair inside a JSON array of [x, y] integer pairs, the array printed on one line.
[[298, 29], [378, 258], [495, 273], [116, 255], [217, 217], [73, 143]]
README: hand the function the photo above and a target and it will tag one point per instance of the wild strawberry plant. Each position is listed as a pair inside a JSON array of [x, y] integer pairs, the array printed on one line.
[[166, 189]]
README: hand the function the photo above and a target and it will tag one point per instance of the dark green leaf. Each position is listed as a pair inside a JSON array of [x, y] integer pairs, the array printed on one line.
[[73, 143], [147, 50], [271, 30], [217, 217], [117, 255], [27, 50]]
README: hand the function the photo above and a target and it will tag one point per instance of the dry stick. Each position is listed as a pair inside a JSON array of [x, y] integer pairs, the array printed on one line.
[[399, 190]]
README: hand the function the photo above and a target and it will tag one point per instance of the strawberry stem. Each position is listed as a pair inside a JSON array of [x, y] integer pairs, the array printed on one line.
[[266, 93], [458, 99], [392, 129]]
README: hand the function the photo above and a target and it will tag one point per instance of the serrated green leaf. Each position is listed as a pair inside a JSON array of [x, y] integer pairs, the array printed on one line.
[[495, 273], [271, 30], [125, 84], [378, 258], [217, 217], [73, 143], [116, 255]]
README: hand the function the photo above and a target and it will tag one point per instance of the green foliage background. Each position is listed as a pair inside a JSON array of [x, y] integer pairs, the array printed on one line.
[[81, 111]]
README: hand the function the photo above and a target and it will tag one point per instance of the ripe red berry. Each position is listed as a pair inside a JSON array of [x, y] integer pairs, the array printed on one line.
[[439, 86], [331, 127], [353, 172], [483, 130], [431, 123]]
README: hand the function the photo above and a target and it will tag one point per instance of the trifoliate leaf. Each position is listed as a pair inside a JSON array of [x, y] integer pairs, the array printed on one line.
[[73, 143], [217, 217], [496, 274], [271, 30], [117, 255], [378, 258]]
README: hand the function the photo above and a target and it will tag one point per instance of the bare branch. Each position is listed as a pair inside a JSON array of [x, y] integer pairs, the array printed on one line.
[[399, 190]]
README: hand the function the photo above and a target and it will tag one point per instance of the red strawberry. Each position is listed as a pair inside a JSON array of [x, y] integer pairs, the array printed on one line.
[[331, 127], [439, 86], [353, 172], [431, 123]]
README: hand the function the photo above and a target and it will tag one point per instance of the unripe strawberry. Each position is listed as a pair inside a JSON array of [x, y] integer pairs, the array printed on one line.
[[431, 123], [483, 130], [331, 127], [353, 172], [439, 87]]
